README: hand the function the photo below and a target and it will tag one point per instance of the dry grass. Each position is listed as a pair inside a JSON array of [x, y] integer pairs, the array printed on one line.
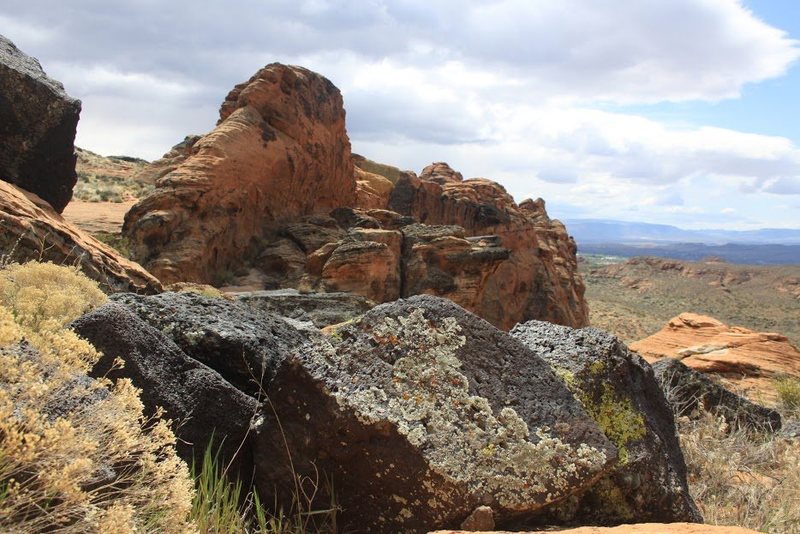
[[741, 478]]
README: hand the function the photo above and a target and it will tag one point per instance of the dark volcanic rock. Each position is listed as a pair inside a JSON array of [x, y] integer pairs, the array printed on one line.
[[690, 392], [322, 309], [417, 427], [196, 398], [37, 128], [620, 392], [243, 344]]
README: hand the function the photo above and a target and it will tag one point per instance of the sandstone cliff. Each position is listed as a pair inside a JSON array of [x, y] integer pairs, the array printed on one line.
[[271, 199]]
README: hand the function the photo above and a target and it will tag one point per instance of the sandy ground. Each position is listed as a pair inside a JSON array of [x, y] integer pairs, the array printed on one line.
[[97, 216]]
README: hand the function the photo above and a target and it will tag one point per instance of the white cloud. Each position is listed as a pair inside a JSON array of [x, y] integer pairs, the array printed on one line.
[[507, 89]]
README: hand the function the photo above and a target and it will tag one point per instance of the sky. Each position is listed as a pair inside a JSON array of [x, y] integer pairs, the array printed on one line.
[[681, 112]]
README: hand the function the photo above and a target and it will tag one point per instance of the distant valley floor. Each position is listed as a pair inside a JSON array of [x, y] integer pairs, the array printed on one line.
[[635, 298]]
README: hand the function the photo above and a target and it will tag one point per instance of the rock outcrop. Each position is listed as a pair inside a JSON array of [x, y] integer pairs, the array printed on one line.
[[320, 309], [279, 151], [538, 280], [691, 392], [742, 359], [37, 127], [619, 390], [31, 230], [271, 199], [418, 426]]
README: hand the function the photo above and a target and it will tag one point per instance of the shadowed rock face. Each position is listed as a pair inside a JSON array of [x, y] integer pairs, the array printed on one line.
[[279, 151], [201, 403], [31, 230], [37, 127], [621, 393], [418, 428]]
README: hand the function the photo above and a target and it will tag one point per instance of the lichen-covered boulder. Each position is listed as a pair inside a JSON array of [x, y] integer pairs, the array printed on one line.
[[243, 344], [618, 389], [200, 402], [419, 412], [37, 127], [691, 392]]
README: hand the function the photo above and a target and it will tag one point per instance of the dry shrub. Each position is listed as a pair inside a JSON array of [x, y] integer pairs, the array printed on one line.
[[788, 388], [742, 478], [76, 453]]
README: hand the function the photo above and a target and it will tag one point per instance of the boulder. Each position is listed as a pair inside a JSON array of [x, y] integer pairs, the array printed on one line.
[[419, 413], [321, 309], [619, 390], [243, 344], [200, 402], [280, 151], [742, 359], [37, 127], [691, 392], [31, 230]]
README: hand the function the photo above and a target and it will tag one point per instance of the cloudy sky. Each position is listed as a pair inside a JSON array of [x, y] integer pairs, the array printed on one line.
[[682, 112]]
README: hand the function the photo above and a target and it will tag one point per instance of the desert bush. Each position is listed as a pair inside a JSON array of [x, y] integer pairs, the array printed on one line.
[[76, 453], [742, 478], [788, 388]]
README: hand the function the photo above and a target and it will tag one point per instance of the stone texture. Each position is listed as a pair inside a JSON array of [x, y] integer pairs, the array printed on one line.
[[690, 392], [279, 151], [742, 359], [243, 344], [619, 390], [321, 309], [199, 401], [539, 279], [31, 230], [415, 436], [643, 528], [37, 127]]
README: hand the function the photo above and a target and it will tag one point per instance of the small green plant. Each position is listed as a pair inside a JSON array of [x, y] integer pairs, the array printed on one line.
[[788, 388]]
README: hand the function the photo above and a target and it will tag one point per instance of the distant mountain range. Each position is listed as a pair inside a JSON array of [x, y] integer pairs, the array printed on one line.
[[621, 238], [637, 233]]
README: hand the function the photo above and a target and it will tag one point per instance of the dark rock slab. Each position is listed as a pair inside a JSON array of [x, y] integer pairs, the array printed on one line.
[[37, 128], [321, 309], [690, 392], [243, 344], [196, 398], [418, 426], [620, 391]]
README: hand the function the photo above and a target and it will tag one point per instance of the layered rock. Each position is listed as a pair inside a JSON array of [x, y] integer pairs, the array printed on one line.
[[742, 359], [539, 279], [37, 125], [418, 426], [271, 199], [279, 151], [31, 230], [619, 390]]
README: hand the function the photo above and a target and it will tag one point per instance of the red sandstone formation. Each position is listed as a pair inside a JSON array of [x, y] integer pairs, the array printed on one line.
[[743, 359], [30, 229], [273, 191], [279, 151]]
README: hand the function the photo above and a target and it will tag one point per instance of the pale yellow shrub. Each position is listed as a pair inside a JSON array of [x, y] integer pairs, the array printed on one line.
[[76, 454], [45, 296]]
